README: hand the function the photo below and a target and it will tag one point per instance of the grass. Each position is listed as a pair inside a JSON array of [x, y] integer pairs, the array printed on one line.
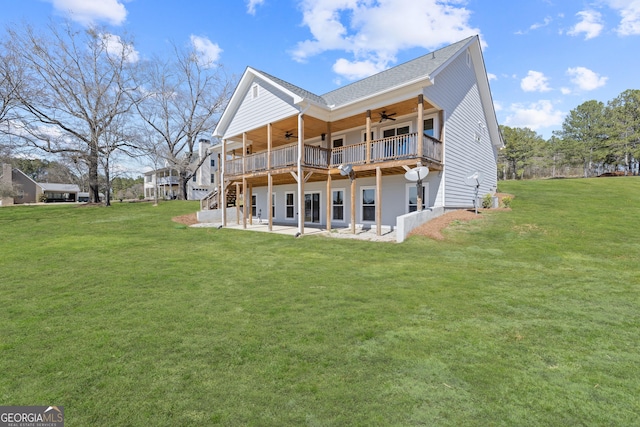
[[528, 317]]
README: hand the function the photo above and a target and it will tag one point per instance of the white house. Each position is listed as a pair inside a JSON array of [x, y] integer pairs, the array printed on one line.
[[340, 159], [166, 180]]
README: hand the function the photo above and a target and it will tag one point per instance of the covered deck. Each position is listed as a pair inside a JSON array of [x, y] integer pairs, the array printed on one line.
[[300, 149]]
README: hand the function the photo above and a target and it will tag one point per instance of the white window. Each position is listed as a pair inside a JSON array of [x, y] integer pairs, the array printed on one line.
[[289, 205], [428, 127], [368, 204], [412, 199], [337, 205], [396, 129], [254, 201]]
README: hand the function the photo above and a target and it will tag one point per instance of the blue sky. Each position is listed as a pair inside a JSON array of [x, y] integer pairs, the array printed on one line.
[[544, 57]]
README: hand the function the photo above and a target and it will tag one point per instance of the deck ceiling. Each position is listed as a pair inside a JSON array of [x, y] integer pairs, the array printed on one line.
[[314, 128]]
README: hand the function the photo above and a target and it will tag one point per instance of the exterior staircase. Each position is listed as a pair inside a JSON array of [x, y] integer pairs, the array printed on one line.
[[210, 201]]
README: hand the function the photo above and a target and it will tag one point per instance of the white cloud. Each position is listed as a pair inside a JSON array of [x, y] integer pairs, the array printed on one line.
[[355, 70], [535, 82], [374, 31], [251, 6], [492, 76], [208, 52], [540, 114], [630, 16], [537, 25], [115, 46], [88, 12], [590, 24], [586, 79]]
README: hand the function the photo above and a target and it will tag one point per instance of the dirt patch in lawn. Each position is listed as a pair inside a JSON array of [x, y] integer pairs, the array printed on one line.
[[188, 219], [433, 229]]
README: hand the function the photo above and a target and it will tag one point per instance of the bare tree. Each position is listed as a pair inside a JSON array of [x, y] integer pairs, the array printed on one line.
[[73, 85], [182, 101]]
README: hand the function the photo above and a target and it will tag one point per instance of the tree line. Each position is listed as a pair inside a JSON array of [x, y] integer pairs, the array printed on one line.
[[85, 96], [595, 139]]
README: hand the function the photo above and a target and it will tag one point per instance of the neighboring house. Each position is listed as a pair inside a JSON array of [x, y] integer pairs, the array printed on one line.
[[29, 191], [166, 181], [339, 159]]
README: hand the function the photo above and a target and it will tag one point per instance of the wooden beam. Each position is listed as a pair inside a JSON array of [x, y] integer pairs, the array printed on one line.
[[307, 176], [378, 201]]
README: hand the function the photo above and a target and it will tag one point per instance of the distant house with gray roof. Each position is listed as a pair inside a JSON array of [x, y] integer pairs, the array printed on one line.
[[353, 157], [26, 190]]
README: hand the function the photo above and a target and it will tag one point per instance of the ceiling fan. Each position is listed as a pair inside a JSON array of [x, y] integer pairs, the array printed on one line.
[[384, 116], [288, 135]]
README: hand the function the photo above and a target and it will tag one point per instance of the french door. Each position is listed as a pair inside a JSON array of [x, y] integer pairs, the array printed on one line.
[[312, 207]]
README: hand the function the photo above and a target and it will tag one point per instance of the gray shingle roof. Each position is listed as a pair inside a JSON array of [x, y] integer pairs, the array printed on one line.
[[66, 188], [398, 75], [412, 70]]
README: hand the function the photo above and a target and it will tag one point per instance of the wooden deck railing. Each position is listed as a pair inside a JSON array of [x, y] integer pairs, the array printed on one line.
[[382, 150]]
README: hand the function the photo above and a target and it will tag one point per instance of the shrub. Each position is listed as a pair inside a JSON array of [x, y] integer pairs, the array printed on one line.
[[506, 201], [487, 201]]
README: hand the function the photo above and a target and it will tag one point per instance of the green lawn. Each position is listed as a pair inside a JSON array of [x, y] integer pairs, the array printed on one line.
[[530, 317]]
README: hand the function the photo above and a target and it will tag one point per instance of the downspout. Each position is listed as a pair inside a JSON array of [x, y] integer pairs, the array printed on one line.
[[300, 175]]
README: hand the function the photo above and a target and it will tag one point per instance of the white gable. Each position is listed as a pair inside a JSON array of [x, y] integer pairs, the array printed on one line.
[[261, 103]]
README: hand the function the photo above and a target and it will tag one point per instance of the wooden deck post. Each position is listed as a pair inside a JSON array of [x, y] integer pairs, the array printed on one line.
[[378, 201], [237, 203], [420, 126], [219, 176], [367, 137], [244, 202], [250, 207], [223, 164], [329, 199]]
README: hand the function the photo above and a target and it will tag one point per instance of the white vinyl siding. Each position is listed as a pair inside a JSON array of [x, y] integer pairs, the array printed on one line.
[[269, 106], [456, 91]]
